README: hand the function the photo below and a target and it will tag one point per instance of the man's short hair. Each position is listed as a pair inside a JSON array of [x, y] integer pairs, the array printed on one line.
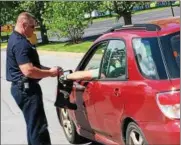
[[26, 16]]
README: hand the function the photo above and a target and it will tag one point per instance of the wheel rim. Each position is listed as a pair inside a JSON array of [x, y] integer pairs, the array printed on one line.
[[135, 138], [66, 123]]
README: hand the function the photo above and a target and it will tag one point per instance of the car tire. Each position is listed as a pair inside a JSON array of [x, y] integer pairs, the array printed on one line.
[[134, 135], [68, 127]]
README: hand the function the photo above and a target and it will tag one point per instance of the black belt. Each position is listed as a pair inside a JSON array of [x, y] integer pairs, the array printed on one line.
[[20, 82], [15, 83]]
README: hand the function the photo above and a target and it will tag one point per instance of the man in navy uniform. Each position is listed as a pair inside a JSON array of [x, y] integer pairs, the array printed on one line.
[[24, 70]]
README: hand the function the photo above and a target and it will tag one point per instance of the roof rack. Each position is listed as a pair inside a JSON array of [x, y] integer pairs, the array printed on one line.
[[148, 27]]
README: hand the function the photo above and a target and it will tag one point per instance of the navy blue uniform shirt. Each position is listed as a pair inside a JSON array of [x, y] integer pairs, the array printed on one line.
[[19, 51]]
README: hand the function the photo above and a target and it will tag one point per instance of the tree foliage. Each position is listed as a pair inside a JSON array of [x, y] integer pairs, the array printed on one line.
[[90, 6], [122, 8], [106, 6], [8, 11], [66, 18], [11, 9], [37, 8], [144, 3]]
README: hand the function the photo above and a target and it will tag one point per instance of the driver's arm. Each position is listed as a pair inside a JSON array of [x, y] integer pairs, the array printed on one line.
[[80, 75], [84, 75]]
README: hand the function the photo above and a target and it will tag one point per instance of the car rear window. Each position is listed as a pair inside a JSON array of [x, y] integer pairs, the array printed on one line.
[[175, 43], [148, 57], [171, 49]]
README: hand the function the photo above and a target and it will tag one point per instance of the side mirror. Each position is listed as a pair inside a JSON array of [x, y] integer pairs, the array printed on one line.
[[66, 72]]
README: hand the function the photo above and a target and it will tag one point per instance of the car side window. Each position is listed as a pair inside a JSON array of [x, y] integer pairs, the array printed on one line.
[[175, 45], [95, 61], [114, 61], [144, 58]]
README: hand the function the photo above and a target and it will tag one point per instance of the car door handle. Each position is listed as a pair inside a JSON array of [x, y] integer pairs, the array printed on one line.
[[116, 92]]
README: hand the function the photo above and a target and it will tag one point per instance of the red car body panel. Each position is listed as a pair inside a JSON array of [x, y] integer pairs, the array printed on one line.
[[111, 102], [166, 133]]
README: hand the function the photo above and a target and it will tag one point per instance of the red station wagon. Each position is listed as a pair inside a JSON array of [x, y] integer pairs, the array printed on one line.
[[137, 102]]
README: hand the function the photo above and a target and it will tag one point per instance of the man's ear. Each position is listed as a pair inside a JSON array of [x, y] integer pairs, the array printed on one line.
[[23, 24]]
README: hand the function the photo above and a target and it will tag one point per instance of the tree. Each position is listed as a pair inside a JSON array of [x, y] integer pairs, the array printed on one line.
[[66, 18], [106, 6], [90, 6], [123, 9], [37, 8], [170, 2], [144, 4], [7, 15]]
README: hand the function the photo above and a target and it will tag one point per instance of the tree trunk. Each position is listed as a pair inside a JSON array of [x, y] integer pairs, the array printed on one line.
[[127, 18], [110, 13], [44, 36], [43, 30]]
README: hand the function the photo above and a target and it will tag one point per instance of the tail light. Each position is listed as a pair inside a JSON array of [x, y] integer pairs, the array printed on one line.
[[169, 104]]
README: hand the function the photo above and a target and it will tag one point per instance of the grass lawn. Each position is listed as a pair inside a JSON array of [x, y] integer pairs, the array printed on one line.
[[3, 45], [78, 48], [62, 47], [5, 33]]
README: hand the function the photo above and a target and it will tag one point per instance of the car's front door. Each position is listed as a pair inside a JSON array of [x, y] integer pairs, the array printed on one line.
[[111, 90], [85, 92]]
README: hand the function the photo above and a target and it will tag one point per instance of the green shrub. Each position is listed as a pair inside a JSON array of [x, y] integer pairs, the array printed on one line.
[[153, 5]]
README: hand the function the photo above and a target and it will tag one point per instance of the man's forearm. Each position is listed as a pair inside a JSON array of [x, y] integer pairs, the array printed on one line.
[[80, 75], [37, 73], [44, 67]]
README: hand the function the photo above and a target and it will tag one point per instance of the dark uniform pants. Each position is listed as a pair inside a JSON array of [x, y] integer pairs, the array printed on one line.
[[31, 103]]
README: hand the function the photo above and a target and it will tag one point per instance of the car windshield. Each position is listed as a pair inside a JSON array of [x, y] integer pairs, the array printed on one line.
[[171, 49]]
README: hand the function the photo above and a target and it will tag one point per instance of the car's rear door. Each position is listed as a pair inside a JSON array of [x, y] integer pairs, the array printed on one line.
[[85, 92]]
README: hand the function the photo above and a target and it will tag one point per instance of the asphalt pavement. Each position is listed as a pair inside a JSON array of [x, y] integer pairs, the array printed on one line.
[[13, 129]]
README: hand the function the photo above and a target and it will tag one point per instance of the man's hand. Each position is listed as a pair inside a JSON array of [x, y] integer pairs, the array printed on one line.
[[54, 71], [60, 71]]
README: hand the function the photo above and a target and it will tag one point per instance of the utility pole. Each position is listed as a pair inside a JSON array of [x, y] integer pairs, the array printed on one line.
[[172, 8]]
